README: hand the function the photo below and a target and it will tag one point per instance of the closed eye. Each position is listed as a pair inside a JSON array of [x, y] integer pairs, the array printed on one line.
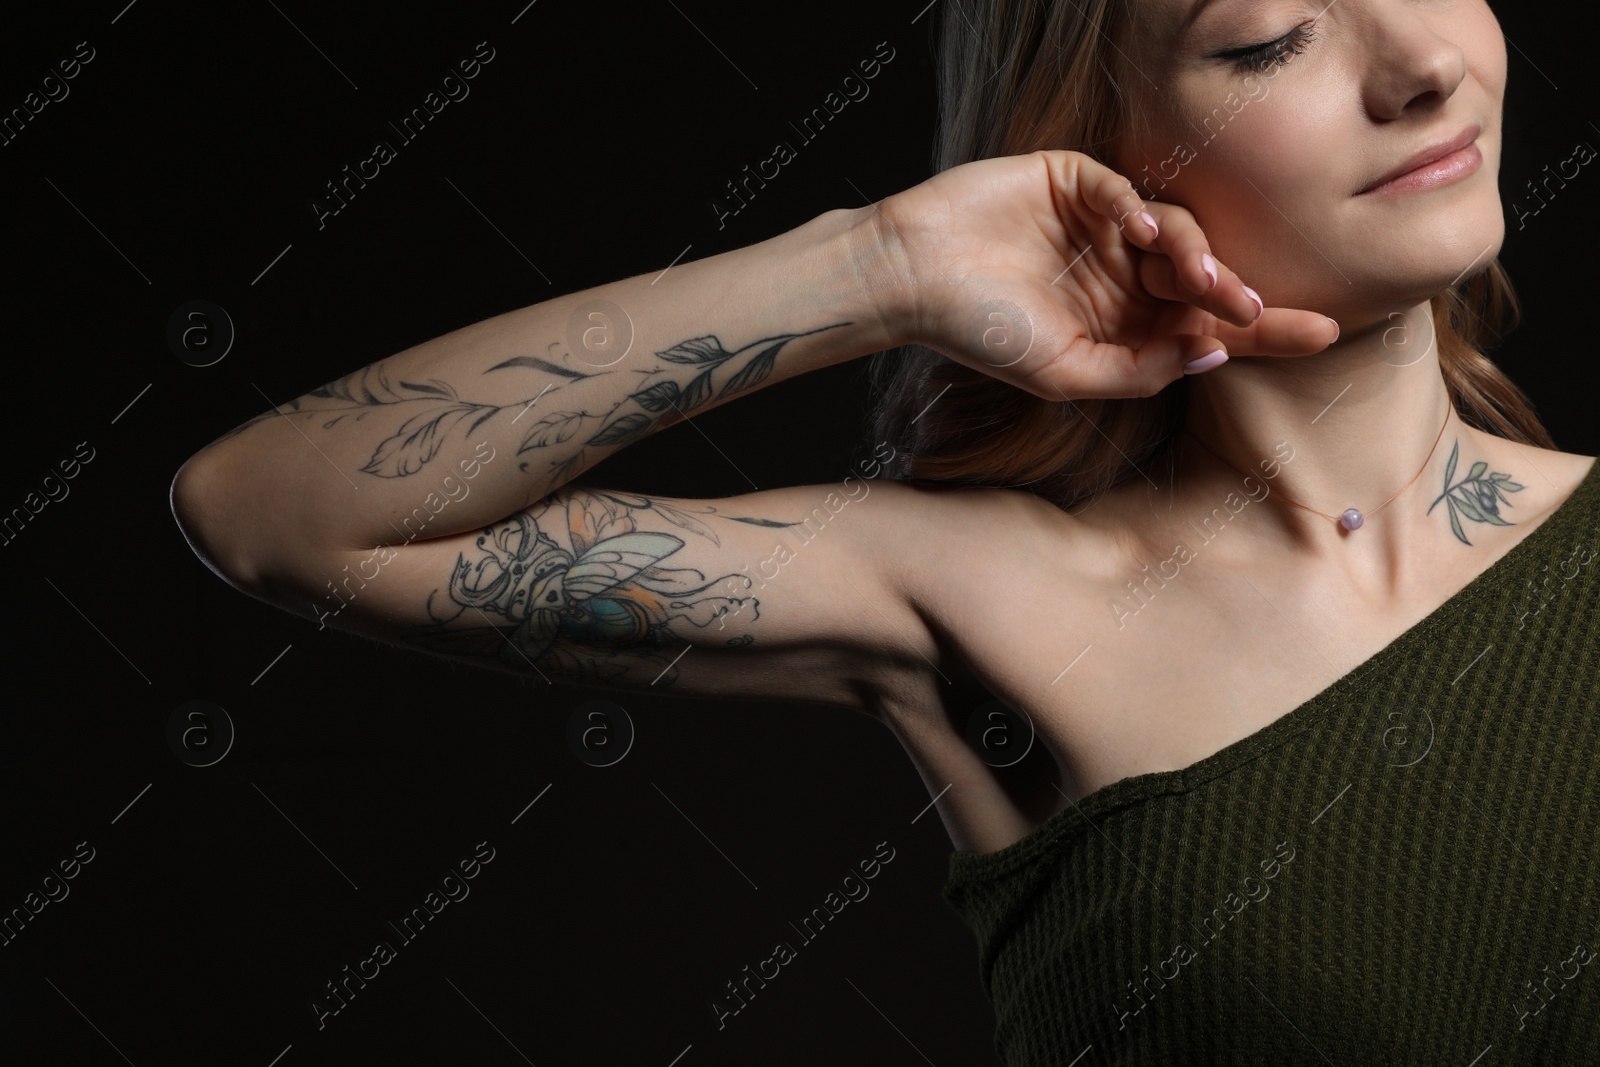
[[1260, 56]]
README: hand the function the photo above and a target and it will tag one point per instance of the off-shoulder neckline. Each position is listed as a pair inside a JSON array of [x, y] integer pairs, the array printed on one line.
[[1137, 788]]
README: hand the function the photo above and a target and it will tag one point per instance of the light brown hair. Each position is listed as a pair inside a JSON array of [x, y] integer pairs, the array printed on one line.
[[1016, 76]]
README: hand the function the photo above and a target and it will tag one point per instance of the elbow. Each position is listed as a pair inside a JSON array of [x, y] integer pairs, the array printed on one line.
[[208, 520], [227, 524]]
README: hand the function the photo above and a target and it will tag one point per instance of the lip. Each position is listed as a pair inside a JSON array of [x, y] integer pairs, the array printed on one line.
[[1434, 165]]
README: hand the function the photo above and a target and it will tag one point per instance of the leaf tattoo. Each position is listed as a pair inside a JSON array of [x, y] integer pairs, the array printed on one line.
[[630, 425], [658, 397], [535, 363], [697, 351], [440, 414], [753, 373], [673, 403], [1475, 496], [772, 523], [552, 429], [663, 403], [421, 437]]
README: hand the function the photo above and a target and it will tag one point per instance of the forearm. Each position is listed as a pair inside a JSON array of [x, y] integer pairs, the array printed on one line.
[[496, 415]]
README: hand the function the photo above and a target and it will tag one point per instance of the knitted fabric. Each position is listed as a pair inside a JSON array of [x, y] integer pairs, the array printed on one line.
[[1403, 870]]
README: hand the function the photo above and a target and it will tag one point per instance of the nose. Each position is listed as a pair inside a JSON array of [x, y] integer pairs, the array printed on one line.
[[1416, 60]]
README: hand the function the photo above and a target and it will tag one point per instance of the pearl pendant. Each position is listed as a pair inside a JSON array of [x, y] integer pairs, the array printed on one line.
[[1351, 519]]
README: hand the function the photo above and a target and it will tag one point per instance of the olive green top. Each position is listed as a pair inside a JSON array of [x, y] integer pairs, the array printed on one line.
[[1405, 869]]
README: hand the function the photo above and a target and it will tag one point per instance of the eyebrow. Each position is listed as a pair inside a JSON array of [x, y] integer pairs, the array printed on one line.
[[1194, 13]]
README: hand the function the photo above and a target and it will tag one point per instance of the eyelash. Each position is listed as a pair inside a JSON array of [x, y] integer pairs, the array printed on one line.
[[1255, 57]]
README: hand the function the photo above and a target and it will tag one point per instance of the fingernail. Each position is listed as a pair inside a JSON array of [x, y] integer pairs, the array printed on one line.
[[1206, 362], [1150, 220], [1335, 328], [1209, 265], [1253, 295]]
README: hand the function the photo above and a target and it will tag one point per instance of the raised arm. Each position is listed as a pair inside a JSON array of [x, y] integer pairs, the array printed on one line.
[[499, 414], [428, 499]]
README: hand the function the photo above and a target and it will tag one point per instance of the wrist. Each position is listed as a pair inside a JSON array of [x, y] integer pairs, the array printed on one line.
[[879, 256], [855, 260]]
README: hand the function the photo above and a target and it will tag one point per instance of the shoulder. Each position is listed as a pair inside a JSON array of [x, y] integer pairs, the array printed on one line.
[[964, 507], [957, 554], [970, 524], [1547, 478]]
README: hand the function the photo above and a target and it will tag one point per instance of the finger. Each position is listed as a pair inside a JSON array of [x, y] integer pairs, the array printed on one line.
[[1181, 256], [1109, 194], [1094, 370], [1280, 332], [1182, 241], [1175, 236], [1229, 301]]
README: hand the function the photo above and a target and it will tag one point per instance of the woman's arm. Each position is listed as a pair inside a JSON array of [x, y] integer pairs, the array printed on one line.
[[427, 499], [496, 415], [552, 389]]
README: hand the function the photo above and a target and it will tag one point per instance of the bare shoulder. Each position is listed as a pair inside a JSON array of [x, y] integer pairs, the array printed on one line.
[[1545, 478], [1567, 470], [968, 560], [946, 537]]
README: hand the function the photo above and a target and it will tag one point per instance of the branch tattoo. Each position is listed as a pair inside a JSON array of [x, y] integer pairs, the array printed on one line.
[[439, 413], [608, 608], [1475, 496]]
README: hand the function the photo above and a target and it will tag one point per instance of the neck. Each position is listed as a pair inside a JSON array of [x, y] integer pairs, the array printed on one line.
[[1349, 427]]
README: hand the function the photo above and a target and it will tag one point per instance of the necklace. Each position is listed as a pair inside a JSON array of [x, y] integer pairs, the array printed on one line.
[[1351, 519]]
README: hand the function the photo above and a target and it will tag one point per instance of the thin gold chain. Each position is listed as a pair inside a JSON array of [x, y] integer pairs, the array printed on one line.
[[1324, 514]]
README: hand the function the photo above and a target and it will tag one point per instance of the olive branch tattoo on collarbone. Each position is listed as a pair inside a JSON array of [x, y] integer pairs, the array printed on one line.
[[1475, 496], [443, 413], [607, 610]]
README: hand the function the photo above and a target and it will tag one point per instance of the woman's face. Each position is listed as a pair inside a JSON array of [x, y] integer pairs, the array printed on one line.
[[1272, 158]]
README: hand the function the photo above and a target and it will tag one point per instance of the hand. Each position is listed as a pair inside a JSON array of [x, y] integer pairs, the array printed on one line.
[[1041, 270]]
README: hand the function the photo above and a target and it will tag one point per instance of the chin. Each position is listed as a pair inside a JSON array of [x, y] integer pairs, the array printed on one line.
[[1399, 265], [1453, 222], [1418, 264]]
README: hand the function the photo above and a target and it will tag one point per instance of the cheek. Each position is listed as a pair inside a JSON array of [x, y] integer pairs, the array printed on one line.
[[1486, 58], [1485, 45], [1259, 186]]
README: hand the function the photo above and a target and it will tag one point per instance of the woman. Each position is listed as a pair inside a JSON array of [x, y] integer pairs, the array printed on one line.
[[1281, 589]]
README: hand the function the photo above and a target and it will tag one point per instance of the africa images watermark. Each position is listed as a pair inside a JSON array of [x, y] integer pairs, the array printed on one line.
[[52, 889], [1183, 954], [855, 89], [1582, 154], [783, 953], [451, 888], [810, 528], [1139, 594], [455, 490], [1539, 994], [1215, 121], [52, 90], [1542, 593], [454, 88], [55, 490]]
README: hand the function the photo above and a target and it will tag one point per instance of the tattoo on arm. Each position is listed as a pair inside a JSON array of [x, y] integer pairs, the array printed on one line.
[[663, 402], [607, 610], [1476, 496], [419, 438], [438, 412]]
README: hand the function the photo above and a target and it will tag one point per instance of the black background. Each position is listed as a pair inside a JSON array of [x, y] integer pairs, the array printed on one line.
[[182, 163]]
